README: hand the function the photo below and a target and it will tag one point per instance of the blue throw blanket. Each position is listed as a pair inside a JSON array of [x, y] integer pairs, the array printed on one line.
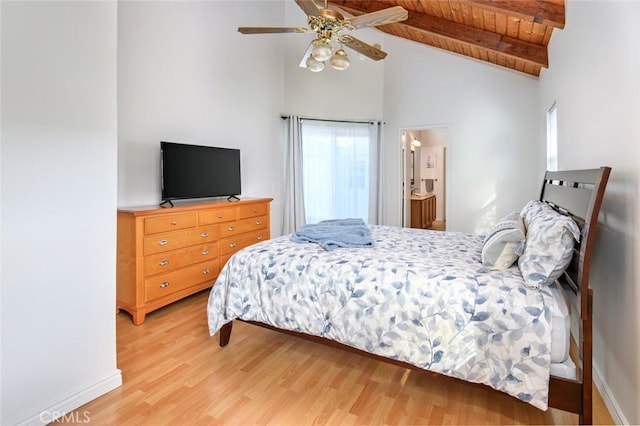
[[331, 234]]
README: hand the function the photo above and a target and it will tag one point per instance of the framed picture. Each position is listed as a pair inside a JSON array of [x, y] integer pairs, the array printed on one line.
[[431, 160]]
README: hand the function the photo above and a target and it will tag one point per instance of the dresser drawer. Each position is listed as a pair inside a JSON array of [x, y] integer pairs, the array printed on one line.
[[164, 255], [171, 260], [165, 284], [207, 217], [235, 243], [252, 210], [170, 222], [175, 240], [242, 226]]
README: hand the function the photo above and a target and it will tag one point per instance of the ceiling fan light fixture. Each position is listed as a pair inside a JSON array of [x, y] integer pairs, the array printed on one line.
[[339, 60], [314, 65], [328, 26], [321, 50]]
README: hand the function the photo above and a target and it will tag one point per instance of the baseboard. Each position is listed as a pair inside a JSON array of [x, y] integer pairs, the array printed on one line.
[[64, 409], [608, 398]]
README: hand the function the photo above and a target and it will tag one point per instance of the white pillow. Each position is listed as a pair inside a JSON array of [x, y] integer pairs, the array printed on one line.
[[531, 210], [548, 247], [503, 244]]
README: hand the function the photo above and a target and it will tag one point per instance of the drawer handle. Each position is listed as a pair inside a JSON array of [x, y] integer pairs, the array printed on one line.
[[205, 271], [163, 242], [255, 211], [232, 245], [220, 216], [174, 223], [259, 237], [164, 284], [204, 234], [232, 228], [164, 262], [258, 222], [205, 252]]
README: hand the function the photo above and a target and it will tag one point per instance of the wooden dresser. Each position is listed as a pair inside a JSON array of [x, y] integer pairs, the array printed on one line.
[[165, 254], [423, 210]]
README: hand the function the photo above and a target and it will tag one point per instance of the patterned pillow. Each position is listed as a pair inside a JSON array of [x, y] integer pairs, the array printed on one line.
[[550, 238], [531, 210], [503, 244]]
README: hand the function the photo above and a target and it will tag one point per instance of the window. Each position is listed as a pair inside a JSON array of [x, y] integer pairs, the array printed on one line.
[[552, 138], [336, 169]]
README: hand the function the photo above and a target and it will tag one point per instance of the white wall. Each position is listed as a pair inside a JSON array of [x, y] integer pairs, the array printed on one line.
[[493, 154], [185, 74], [594, 77], [58, 199], [1, 221], [435, 139]]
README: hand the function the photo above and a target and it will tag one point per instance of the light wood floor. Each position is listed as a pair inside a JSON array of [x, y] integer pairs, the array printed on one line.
[[174, 373]]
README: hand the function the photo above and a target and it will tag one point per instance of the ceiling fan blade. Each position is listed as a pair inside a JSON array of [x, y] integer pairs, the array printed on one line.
[[381, 17], [303, 62], [362, 47], [309, 7], [271, 30]]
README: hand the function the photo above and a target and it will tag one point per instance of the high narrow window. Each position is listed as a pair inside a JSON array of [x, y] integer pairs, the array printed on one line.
[[552, 138], [336, 169]]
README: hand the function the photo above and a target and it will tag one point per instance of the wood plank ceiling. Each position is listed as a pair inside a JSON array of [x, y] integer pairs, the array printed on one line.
[[509, 33]]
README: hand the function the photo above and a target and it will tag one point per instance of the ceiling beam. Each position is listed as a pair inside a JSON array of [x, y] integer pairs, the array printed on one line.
[[442, 28], [541, 12], [514, 48]]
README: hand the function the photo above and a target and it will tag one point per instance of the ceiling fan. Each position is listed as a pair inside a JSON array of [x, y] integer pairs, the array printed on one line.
[[328, 24]]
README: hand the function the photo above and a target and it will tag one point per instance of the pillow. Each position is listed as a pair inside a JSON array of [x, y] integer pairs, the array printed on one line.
[[531, 210], [503, 243], [550, 237]]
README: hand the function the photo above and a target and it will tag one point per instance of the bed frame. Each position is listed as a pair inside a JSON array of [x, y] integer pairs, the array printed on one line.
[[578, 194]]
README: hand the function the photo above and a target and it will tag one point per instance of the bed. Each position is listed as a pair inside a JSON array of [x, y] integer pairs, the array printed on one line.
[[430, 301]]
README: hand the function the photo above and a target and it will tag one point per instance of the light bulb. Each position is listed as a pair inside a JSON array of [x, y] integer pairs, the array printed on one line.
[[340, 61], [321, 50], [313, 65]]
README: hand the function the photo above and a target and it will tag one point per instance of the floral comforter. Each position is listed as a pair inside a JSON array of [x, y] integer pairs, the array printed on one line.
[[417, 296]]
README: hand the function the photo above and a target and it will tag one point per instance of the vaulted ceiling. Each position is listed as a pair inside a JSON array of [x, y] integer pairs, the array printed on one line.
[[509, 33]]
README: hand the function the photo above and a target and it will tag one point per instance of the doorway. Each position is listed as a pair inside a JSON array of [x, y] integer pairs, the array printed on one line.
[[424, 181]]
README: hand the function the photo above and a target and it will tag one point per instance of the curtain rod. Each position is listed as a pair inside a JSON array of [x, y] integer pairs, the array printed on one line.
[[284, 117]]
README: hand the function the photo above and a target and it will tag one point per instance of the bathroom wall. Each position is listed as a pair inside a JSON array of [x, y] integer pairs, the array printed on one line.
[[433, 165]]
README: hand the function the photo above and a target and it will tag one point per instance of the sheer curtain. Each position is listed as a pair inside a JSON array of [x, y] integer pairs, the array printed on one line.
[[338, 171], [294, 198]]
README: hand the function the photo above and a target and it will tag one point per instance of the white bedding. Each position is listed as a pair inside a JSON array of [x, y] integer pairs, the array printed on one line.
[[566, 369], [418, 296], [560, 326]]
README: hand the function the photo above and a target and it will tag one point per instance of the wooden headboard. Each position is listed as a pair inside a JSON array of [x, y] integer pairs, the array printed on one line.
[[578, 194]]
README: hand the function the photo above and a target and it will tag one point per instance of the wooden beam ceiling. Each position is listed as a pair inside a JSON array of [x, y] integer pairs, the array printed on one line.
[[541, 12], [508, 33]]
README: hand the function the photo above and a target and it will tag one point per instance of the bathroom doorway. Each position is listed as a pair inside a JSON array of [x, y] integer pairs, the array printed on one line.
[[424, 182]]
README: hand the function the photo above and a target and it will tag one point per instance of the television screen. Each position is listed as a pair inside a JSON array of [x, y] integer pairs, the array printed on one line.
[[195, 171]]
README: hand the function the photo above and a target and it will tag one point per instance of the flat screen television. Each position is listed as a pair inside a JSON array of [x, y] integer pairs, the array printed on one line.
[[196, 171]]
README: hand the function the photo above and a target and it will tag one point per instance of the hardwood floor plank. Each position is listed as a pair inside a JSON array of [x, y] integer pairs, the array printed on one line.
[[175, 373]]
